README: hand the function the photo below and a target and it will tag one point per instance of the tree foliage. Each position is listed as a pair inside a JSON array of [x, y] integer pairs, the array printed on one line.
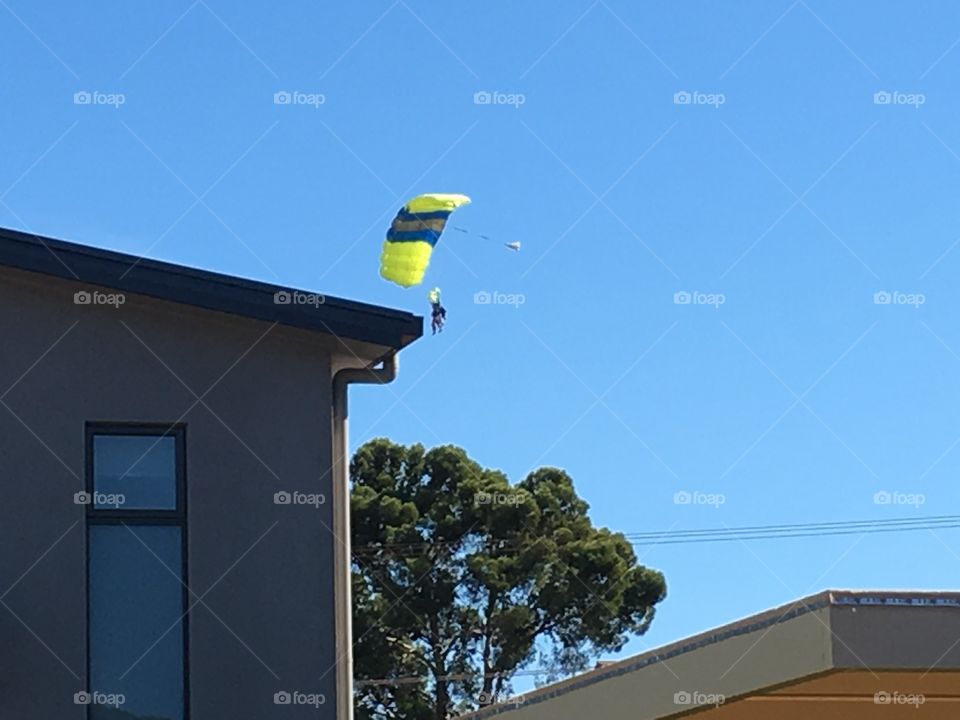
[[462, 579]]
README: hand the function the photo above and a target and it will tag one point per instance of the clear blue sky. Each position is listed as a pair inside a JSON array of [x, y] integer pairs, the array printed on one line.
[[797, 199]]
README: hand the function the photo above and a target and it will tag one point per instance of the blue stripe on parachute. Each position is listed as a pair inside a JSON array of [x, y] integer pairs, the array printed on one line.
[[435, 215], [425, 235]]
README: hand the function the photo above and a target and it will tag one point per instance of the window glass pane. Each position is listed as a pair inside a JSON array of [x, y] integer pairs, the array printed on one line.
[[134, 472], [136, 624]]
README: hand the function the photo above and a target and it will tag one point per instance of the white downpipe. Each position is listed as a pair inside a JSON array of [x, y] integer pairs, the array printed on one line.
[[343, 602]]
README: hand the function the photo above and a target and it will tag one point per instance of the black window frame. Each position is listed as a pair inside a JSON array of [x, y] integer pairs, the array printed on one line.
[[136, 517]]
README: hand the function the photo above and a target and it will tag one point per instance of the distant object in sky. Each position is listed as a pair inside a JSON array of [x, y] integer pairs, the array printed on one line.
[[515, 245], [413, 234]]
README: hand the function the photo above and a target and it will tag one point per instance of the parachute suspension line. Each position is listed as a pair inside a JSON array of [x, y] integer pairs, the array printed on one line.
[[515, 245]]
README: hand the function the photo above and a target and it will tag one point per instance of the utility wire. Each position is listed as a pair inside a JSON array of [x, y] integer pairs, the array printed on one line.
[[826, 525], [685, 537]]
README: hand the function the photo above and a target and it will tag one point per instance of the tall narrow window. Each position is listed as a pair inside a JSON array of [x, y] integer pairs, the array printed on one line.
[[136, 572]]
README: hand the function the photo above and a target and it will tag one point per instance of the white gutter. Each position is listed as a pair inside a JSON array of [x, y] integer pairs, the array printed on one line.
[[343, 602]]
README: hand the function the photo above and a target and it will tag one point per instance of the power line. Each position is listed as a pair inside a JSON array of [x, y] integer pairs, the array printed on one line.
[[779, 536], [795, 526], [766, 532], [725, 534]]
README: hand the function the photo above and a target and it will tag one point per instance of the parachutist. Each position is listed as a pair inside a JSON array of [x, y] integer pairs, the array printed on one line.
[[439, 314], [438, 318]]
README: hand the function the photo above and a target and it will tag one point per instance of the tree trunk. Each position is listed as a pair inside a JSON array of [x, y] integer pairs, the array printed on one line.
[[440, 671], [488, 689]]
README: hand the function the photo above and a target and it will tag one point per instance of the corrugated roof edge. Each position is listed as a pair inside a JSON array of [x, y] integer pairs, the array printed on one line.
[[783, 613], [210, 290]]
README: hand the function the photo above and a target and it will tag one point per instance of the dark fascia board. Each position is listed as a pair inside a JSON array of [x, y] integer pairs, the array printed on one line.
[[201, 288]]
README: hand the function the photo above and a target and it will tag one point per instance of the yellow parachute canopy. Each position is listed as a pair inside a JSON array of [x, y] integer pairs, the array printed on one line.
[[413, 234]]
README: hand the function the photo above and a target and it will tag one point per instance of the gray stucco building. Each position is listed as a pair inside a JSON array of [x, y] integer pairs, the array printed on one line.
[[174, 540]]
